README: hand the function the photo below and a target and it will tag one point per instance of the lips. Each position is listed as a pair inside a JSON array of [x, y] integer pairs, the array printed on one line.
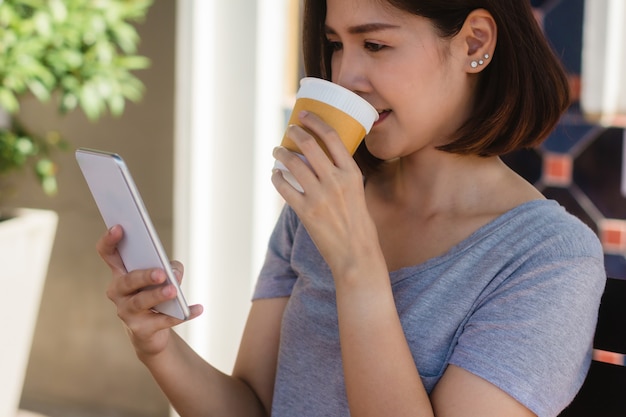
[[382, 115]]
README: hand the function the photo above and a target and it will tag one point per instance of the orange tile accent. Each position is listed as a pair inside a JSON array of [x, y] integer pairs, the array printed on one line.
[[613, 236], [557, 169], [608, 357], [574, 86]]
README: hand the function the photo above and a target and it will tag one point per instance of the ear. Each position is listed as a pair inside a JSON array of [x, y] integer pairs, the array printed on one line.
[[478, 40]]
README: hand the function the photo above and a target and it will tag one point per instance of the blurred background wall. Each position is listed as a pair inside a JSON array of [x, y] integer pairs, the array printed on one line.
[[199, 147]]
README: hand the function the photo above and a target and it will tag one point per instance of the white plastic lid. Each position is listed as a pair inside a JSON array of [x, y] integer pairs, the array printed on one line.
[[339, 97]]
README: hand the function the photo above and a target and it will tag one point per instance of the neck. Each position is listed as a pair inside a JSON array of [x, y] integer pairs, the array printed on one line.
[[436, 182]]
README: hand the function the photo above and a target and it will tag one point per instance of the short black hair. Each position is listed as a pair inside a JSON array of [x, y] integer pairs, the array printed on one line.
[[520, 95]]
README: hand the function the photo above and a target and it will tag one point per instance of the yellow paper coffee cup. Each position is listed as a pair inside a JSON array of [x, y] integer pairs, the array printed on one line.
[[347, 112]]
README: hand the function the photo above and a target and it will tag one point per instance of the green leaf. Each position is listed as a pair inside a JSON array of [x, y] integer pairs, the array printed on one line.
[[69, 102], [8, 101], [43, 23], [45, 167], [49, 185], [133, 62], [58, 10], [39, 90], [90, 101], [117, 104], [82, 50], [126, 37], [24, 146], [132, 88]]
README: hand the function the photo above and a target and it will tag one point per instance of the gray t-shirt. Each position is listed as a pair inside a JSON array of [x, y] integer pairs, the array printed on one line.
[[515, 303]]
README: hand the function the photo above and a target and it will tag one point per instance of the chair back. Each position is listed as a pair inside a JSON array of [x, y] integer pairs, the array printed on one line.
[[604, 389]]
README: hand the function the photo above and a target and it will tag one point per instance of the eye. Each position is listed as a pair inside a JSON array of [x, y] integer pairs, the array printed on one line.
[[373, 47], [334, 45]]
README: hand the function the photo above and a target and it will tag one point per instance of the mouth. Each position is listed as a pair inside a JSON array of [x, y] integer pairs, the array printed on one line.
[[382, 115]]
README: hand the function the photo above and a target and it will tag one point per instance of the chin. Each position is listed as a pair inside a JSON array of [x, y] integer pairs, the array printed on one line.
[[380, 152]]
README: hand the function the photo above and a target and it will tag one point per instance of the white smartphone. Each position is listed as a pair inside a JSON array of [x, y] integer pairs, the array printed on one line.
[[119, 202]]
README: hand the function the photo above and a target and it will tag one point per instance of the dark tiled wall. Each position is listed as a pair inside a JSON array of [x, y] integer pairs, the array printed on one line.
[[580, 164]]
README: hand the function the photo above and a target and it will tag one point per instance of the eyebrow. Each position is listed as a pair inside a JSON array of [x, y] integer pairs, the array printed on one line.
[[366, 28]]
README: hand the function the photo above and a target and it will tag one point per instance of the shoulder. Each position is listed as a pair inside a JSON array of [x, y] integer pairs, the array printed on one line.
[[539, 248], [532, 328], [548, 225], [559, 244]]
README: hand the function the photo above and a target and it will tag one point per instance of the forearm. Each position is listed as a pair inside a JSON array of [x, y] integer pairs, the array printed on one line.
[[195, 388], [380, 374]]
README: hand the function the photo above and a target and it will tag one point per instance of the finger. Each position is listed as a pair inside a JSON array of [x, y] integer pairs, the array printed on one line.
[[308, 142], [169, 321], [328, 135], [106, 247], [148, 298], [126, 285], [144, 326], [284, 188], [195, 310], [179, 270], [297, 167]]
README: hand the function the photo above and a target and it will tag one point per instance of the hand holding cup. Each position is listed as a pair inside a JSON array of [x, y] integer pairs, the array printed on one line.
[[348, 113]]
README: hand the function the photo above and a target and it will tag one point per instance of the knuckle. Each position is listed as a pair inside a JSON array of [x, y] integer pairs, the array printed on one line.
[[135, 328], [111, 293], [113, 290], [121, 315], [135, 302], [328, 130], [293, 130], [307, 141]]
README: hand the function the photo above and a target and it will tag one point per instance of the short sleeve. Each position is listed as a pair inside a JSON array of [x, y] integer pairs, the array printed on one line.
[[532, 337], [277, 277]]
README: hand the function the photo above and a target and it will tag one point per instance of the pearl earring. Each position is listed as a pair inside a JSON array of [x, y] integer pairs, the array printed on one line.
[[475, 64]]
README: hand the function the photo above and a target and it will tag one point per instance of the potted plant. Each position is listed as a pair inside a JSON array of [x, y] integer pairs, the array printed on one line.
[[80, 54]]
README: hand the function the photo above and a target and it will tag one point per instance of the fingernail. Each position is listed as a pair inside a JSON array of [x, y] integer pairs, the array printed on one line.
[[276, 149], [303, 114], [155, 276]]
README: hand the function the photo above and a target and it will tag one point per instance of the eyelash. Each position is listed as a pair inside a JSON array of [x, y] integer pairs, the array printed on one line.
[[334, 46], [370, 46], [374, 47]]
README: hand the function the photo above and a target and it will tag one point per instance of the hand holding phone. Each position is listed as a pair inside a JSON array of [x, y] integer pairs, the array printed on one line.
[[119, 202]]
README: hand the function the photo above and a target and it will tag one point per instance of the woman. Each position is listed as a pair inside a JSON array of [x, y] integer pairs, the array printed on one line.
[[426, 280]]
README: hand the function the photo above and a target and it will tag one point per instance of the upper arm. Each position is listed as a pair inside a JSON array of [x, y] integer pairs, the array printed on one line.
[[258, 352], [461, 393]]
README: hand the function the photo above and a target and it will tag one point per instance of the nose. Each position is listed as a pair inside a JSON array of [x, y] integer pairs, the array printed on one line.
[[349, 71]]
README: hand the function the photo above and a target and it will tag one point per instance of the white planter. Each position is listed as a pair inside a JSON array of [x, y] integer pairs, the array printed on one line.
[[25, 245]]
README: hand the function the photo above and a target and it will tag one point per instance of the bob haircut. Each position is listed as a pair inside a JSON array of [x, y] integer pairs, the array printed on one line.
[[520, 95]]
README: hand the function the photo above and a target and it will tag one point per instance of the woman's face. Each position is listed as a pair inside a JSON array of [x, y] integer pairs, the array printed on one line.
[[395, 60]]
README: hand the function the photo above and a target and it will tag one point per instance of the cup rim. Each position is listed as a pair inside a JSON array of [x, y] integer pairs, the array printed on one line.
[[341, 98]]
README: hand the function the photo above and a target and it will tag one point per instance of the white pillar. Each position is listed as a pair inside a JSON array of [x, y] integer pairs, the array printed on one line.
[[276, 70], [603, 95], [228, 118], [215, 119]]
